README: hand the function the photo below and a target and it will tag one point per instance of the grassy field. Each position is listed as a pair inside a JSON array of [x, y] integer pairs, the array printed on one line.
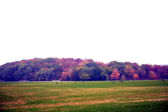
[[95, 96]]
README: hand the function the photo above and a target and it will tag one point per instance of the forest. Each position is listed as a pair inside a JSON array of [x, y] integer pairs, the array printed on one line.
[[69, 69]]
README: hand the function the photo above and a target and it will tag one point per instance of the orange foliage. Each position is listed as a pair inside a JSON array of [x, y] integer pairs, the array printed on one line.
[[136, 76], [115, 74]]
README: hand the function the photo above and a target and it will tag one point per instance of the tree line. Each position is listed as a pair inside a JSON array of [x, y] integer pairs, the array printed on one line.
[[69, 69]]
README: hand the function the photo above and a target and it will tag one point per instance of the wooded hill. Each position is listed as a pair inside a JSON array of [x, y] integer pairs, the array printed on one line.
[[69, 69]]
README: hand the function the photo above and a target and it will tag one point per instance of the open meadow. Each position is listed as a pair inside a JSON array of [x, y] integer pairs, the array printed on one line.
[[84, 96]]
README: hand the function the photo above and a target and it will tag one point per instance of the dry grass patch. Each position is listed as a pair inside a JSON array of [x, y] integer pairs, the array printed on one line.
[[17, 88], [83, 103], [151, 100], [56, 90], [17, 95], [7, 88], [69, 94], [19, 101], [42, 98], [123, 88], [78, 98]]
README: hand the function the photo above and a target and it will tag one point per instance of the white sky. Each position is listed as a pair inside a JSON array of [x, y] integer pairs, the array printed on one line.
[[103, 30]]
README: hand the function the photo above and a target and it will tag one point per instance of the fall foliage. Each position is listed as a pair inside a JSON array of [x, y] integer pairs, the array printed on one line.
[[69, 69], [115, 75], [136, 76]]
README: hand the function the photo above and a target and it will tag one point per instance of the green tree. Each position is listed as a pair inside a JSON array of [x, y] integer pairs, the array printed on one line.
[[85, 77]]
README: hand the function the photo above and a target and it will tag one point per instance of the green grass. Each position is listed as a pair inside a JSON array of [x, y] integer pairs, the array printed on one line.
[[92, 96]]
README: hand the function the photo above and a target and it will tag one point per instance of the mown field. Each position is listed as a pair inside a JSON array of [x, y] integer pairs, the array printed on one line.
[[93, 96]]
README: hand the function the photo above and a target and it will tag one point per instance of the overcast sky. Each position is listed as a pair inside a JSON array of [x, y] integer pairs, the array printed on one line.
[[103, 30]]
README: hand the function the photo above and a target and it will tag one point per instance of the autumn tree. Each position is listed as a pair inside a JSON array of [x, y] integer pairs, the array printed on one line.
[[136, 76], [152, 75], [64, 76], [129, 71], [77, 69], [115, 75]]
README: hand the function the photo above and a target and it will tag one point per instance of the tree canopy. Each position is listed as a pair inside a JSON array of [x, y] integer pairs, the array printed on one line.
[[67, 69]]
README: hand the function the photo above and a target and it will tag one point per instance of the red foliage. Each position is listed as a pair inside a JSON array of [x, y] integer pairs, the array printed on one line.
[[115, 74], [152, 75], [136, 76], [64, 76]]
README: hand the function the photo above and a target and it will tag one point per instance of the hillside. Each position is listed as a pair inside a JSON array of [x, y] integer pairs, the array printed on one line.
[[69, 69]]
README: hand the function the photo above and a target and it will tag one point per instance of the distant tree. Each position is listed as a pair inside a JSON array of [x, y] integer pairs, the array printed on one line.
[[141, 72], [115, 75], [136, 76], [85, 77], [95, 71], [75, 73], [92, 64], [77, 69], [152, 75], [129, 71], [147, 68], [64, 76]]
